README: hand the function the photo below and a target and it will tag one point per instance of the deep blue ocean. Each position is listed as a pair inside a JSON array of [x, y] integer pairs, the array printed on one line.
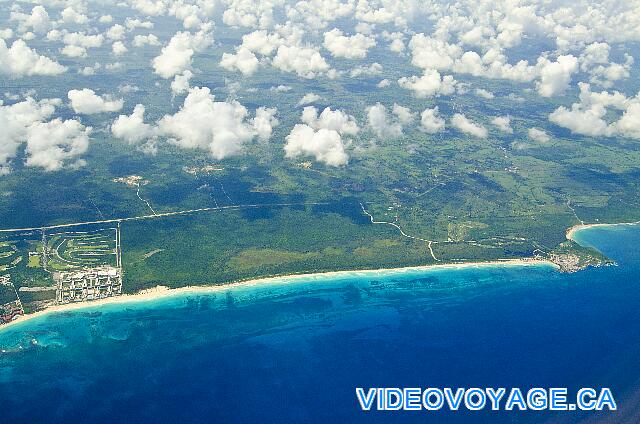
[[294, 353]]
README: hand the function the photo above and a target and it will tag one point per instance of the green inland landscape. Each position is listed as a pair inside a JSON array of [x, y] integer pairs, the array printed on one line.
[[431, 200], [181, 167]]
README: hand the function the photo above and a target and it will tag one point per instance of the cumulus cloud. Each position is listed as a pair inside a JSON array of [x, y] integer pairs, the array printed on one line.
[[87, 102], [145, 40], [432, 53], [221, 128], [119, 48], [385, 127], [503, 123], [132, 128], [176, 56], [249, 13], [77, 43], [349, 47], [429, 84], [462, 123], [180, 83], [430, 121], [321, 136], [336, 120], [485, 94], [244, 60], [325, 145], [629, 123], [304, 61], [308, 99], [48, 144], [20, 60], [150, 7], [264, 122], [538, 135], [556, 76], [116, 32], [368, 70], [37, 21], [72, 16], [590, 116]]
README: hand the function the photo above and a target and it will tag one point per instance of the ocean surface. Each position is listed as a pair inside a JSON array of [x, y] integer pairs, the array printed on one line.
[[294, 353]]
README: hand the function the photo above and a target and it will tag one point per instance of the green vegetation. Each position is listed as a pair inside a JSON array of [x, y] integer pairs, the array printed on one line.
[[34, 261]]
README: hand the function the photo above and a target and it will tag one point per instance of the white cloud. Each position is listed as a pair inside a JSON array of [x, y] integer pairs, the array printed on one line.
[[353, 47], [145, 40], [38, 21], [119, 48], [431, 53], [430, 121], [280, 88], [324, 145], [132, 128], [308, 99], [19, 60], [243, 60], [220, 128], [629, 123], [538, 135], [72, 16], [262, 42], [48, 144], [485, 94], [249, 13], [86, 101], [462, 123], [15, 121], [379, 122], [150, 7], [74, 51], [404, 114], [429, 84], [336, 120], [176, 56], [503, 123], [383, 83], [397, 46], [304, 61], [89, 70], [132, 24], [6, 33], [317, 14], [590, 116], [77, 43], [264, 122], [556, 76], [180, 83], [321, 136], [368, 70], [116, 32]]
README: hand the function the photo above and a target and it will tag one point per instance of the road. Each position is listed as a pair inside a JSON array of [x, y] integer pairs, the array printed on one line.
[[160, 215]]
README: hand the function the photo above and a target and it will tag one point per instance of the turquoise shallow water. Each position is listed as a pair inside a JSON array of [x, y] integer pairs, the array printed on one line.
[[295, 353]]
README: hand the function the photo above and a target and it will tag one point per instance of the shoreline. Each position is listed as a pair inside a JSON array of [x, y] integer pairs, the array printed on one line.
[[579, 227], [159, 292]]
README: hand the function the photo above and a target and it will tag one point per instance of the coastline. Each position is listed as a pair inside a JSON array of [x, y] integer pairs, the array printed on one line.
[[159, 292], [579, 227]]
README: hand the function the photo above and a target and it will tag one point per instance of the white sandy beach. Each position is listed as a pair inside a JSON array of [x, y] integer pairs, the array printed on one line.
[[571, 231], [159, 292]]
